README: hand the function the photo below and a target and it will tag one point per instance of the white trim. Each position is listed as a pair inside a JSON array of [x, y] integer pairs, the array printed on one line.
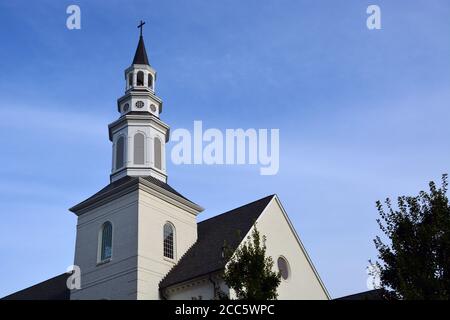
[[299, 241], [130, 186], [153, 81]]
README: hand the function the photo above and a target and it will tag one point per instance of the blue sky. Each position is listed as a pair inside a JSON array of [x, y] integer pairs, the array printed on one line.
[[362, 114]]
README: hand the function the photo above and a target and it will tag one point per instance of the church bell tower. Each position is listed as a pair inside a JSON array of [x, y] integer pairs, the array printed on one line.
[[132, 232], [139, 136]]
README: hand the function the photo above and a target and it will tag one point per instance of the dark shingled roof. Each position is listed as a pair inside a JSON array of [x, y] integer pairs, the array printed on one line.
[[140, 57], [126, 179], [165, 186], [137, 113], [51, 289], [205, 256], [376, 294]]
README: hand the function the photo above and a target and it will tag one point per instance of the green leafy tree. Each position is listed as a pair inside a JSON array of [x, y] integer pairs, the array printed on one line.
[[415, 264], [249, 271]]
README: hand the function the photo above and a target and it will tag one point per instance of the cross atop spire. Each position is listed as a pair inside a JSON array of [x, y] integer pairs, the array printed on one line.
[[140, 57], [141, 26]]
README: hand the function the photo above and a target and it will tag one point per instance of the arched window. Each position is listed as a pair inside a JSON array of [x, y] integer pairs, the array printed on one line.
[[140, 78], [120, 150], [106, 241], [130, 79], [139, 148], [168, 241], [158, 153], [150, 81]]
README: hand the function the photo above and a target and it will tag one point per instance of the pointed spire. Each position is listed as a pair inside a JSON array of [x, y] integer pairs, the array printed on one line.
[[140, 57]]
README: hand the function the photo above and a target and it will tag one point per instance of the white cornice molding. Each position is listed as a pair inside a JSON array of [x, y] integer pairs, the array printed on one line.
[[139, 66], [133, 185], [141, 93], [149, 118], [104, 198]]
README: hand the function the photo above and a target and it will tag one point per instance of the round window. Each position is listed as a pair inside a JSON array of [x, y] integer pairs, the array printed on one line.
[[283, 267], [139, 104], [152, 108], [126, 107]]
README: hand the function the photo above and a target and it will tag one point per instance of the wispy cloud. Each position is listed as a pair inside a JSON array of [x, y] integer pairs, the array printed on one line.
[[52, 120]]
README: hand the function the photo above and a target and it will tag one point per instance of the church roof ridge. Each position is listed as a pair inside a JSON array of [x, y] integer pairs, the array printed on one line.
[[51, 289], [238, 208]]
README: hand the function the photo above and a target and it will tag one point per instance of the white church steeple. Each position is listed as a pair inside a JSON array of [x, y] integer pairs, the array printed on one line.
[[139, 136], [132, 232]]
